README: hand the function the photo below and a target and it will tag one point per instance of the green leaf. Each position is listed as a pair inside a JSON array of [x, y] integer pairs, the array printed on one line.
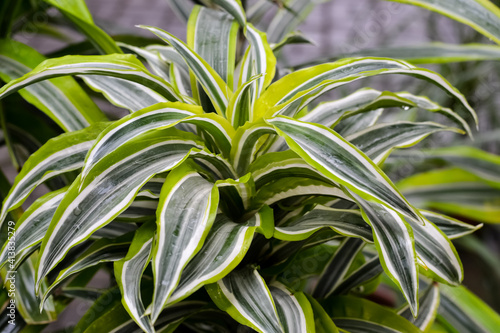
[[234, 8], [344, 221], [26, 303], [215, 87], [186, 212], [59, 155], [357, 123], [294, 91], [323, 322], [128, 273], [212, 34], [108, 189], [339, 160], [101, 251], [288, 18], [395, 244], [154, 118], [466, 312], [294, 310], [31, 227], [378, 141], [240, 108], [244, 295], [451, 227], [429, 304], [481, 15], [78, 13], [366, 272], [121, 66], [358, 315], [453, 191], [224, 248], [335, 271], [435, 53], [62, 99]]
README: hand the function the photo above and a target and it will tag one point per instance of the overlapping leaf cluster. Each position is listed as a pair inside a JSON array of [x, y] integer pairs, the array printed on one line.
[[225, 199]]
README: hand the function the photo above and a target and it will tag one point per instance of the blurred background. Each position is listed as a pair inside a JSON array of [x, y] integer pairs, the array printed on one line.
[[335, 28]]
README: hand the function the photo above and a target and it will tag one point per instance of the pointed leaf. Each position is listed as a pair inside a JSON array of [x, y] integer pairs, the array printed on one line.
[[429, 304]]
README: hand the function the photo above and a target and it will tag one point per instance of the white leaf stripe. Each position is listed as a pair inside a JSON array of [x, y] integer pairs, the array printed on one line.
[[78, 215], [395, 244], [335, 271], [290, 312], [259, 56], [121, 66], [234, 8], [59, 155], [451, 227], [33, 224], [103, 250], [429, 304], [57, 105], [333, 156], [128, 273], [346, 222], [437, 252], [214, 86], [223, 249], [247, 293], [186, 212], [239, 108], [366, 272]]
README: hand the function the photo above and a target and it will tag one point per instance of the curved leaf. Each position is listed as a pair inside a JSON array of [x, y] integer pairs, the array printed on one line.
[[451, 227], [59, 155], [108, 189], [186, 212], [245, 296], [429, 304], [62, 99], [339, 160], [294, 310]]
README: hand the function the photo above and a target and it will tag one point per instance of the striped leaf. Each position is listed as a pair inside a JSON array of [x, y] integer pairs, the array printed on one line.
[[294, 310], [429, 304], [186, 212], [244, 295], [78, 13], [294, 91], [245, 144], [88, 206], [224, 248], [212, 34], [339, 160], [239, 110], [345, 222], [59, 155], [234, 8], [453, 191], [357, 123], [367, 99], [124, 93], [288, 18], [378, 141], [435, 53], [156, 117], [153, 58], [451, 227], [395, 244], [465, 312], [335, 271], [366, 272], [481, 15], [357, 315], [260, 61], [215, 87], [437, 254], [32, 225], [272, 166], [236, 195], [128, 273], [26, 303], [62, 99], [121, 66], [181, 8], [101, 251]]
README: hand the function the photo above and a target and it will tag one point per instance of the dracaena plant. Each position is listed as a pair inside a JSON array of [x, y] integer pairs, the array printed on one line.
[[228, 200]]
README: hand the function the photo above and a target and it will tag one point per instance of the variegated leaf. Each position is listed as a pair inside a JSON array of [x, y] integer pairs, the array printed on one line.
[[294, 310], [186, 212]]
